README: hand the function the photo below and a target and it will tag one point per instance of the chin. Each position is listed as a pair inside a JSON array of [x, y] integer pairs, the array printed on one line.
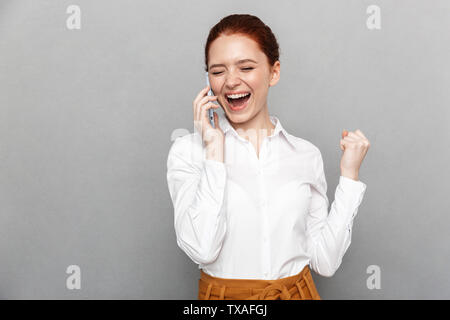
[[238, 117]]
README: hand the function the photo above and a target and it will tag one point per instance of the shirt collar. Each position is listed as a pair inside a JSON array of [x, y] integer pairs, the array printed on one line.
[[227, 127]]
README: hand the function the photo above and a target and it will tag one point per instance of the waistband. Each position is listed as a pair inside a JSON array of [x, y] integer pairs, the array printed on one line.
[[282, 288]]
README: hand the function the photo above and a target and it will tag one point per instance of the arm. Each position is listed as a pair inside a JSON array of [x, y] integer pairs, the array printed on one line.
[[329, 235], [197, 192]]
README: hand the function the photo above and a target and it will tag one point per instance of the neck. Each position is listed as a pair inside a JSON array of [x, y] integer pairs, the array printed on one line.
[[256, 128]]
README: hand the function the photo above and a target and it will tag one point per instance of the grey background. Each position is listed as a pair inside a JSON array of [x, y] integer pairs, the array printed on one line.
[[86, 119]]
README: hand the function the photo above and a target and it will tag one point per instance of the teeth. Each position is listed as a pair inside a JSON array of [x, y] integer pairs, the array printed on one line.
[[236, 96]]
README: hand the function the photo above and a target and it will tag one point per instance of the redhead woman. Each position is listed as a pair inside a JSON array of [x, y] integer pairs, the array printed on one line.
[[250, 199]]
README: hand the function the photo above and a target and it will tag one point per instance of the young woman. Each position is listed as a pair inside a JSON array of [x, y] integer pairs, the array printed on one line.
[[249, 198]]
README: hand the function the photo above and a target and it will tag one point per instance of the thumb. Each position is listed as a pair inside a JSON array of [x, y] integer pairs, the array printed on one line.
[[216, 121], [344, 134]]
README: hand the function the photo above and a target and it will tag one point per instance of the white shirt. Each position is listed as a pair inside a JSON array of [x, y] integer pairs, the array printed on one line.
[[259, 218]]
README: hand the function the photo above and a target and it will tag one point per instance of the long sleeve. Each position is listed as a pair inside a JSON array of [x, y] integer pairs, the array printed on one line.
[[329, 234], [197, 191]]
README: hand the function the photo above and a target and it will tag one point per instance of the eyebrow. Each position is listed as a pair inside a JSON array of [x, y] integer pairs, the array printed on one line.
[[239, 62]]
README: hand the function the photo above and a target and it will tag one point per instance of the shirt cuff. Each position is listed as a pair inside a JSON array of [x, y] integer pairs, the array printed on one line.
[[350, 185], [351, 193]]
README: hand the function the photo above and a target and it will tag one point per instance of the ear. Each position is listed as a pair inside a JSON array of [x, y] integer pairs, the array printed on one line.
[[274, 73]]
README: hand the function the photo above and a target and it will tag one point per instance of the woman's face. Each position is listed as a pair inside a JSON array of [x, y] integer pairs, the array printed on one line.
[[237, 66]]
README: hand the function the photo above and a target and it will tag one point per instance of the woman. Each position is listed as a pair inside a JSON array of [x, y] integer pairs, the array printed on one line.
[[249, 198]]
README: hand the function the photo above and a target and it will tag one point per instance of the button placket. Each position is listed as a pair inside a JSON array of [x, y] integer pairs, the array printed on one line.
[[265, 224]]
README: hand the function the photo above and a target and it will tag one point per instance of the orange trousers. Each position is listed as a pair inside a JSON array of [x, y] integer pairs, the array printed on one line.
[[297, 287]]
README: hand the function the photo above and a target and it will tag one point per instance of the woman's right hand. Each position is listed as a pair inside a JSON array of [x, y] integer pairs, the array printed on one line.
[[213, 138]]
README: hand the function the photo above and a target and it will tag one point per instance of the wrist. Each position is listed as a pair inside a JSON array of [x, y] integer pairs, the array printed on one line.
[[350, 174], [214, 151]]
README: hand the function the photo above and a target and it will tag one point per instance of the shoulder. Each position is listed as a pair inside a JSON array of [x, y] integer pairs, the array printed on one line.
[[188, 147], [303, 145], [187, 141], [312, 156]]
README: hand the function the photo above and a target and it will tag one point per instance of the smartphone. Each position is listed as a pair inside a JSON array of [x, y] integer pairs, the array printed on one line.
[[210, 111]]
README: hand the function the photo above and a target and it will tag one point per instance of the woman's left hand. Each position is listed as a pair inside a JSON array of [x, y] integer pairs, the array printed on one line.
[[355, 146]]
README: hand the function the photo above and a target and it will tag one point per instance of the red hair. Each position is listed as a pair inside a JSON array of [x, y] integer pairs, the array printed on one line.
[[250, 26]]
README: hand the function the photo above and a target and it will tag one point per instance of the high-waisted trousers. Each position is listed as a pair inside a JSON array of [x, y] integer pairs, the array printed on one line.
[[297, 287]]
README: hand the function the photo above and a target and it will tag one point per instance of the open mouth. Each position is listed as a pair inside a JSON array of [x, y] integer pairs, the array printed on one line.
[[238, 103]]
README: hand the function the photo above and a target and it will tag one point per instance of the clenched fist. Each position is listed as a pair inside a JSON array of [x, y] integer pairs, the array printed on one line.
[[354, 146]]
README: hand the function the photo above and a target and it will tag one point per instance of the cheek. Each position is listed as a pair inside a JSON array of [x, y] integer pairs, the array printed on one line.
[[259, 91], [257, 82], [256, 87]]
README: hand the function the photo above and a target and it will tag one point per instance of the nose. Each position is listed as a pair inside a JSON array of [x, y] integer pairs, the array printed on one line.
[[232, 80]]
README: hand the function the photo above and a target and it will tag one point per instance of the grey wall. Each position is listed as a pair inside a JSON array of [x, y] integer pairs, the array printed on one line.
[[86, 118]]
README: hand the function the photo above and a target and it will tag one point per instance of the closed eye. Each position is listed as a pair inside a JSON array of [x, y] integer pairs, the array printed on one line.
[[246, 69]]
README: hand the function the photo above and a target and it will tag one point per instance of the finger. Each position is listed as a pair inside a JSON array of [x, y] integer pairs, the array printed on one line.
[[354, 135], [351, 139], [360, 142], [200, 119], [359, 132], [202, 102], [206, 123], [201, 94], [359, 138], [342, 144], [205, 109], [346, 142], [206, 99], [344, 133]]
